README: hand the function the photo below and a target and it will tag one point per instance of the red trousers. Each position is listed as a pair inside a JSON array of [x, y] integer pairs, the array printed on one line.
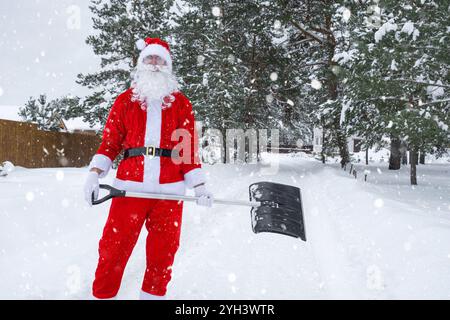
[[162, 219]]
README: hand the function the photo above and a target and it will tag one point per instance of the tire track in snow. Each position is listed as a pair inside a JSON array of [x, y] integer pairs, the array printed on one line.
[[322, 233]]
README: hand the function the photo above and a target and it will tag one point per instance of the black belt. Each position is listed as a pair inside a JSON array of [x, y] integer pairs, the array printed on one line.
[[147, 151]]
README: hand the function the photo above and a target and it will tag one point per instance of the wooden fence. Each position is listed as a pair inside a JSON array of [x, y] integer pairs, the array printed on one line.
[[25, 145]]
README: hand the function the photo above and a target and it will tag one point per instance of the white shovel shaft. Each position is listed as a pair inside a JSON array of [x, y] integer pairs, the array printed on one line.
[[188, 198]]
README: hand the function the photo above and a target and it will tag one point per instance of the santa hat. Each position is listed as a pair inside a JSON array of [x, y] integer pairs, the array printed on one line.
[[154, 46]]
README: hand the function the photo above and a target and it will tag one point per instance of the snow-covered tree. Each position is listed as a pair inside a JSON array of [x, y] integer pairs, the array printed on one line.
[[49, 114], [397, 76], [236, 66], [321, 29]]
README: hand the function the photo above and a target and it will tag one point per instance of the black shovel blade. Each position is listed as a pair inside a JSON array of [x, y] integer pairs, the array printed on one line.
[[280, 211]]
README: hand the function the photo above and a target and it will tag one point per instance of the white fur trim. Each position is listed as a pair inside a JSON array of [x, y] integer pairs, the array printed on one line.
[[159, 50], [140, 44], [102, 162], [194, 177], [152, 166], [150, 187]]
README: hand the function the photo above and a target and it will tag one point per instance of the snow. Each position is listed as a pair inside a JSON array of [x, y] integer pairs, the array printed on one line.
[[345, 107], [436, 91], [394, 65], [409, 28], [216, 11], [346, 13], [274, 76], [385, 28], [269, 98], [316, 84], [380, 239], [344, 57], [277, 24], [79, 124]]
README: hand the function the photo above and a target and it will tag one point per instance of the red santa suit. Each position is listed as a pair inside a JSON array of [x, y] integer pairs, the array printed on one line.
[[134, 124]]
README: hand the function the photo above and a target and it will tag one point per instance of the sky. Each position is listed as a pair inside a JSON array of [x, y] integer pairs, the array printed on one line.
[[42, 48]]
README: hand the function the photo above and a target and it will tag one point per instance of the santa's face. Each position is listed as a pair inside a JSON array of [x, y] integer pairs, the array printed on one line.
[[153, 79]]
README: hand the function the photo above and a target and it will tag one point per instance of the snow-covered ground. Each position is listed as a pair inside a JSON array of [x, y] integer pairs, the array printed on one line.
[[380, 239]]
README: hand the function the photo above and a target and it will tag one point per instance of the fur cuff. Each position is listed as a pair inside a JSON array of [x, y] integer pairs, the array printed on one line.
[[194, 177], [102, 162]]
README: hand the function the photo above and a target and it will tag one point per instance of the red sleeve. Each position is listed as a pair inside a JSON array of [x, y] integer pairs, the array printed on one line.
[[114, 132]]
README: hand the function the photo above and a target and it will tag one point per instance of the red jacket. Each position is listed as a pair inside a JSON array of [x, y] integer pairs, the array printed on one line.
[[131, 124]]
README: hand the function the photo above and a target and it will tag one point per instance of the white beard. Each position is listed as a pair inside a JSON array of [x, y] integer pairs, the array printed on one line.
[[150, 84]]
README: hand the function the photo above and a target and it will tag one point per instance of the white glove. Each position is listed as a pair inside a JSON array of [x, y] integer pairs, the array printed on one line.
[[91, 185], [206, 197]]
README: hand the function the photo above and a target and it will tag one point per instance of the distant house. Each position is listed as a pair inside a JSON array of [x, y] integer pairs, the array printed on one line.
[[353, 142], [74, 125], [78, 125]]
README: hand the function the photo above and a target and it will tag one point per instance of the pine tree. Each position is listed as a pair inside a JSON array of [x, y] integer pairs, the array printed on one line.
[[234, 60], [321, 34], [399, 69], [49, 115]]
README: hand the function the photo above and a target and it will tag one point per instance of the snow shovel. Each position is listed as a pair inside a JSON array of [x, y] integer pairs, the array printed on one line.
[[276, 208]]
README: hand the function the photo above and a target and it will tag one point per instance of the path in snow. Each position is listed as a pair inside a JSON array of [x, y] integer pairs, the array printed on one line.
[[365, 240]]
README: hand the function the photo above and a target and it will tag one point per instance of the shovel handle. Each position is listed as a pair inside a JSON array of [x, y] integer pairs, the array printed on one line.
[[113, 192]]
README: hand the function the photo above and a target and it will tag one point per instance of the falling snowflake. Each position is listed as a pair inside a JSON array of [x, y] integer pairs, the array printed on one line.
[[65, 203], [346, 15], [59, 175], [407, 246], [200, 60], [269, 98], [379, 203], [274, 76], [277, 24], [316, 84], [232, 277], [216, 11], [29, 196]]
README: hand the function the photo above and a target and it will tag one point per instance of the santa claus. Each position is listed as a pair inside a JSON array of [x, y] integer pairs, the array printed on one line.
[[148, 122]]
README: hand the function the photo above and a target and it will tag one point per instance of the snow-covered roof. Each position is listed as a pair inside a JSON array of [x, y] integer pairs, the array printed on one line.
[[79, 124]]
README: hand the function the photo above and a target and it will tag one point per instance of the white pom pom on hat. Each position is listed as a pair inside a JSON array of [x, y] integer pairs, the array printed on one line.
[[140, 44]]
